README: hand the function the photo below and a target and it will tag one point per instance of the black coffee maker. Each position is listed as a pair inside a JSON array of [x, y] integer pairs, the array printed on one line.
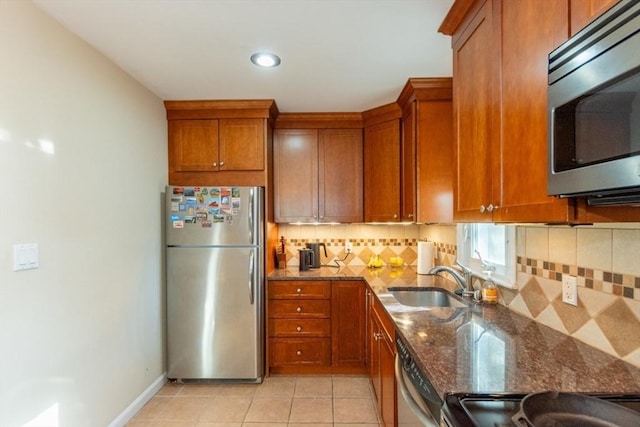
[[306, 257], [315, 247]]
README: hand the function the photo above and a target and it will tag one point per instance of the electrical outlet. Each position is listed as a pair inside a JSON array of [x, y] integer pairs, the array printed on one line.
[[348, 247], [569, 290]]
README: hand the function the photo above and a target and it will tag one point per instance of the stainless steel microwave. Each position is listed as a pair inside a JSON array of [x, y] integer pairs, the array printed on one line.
[[594, 110]]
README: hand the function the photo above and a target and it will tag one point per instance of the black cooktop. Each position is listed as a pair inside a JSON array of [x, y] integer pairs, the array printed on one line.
[[496, 410]]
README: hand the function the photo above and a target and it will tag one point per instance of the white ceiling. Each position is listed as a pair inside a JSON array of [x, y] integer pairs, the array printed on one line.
[[337, 55]]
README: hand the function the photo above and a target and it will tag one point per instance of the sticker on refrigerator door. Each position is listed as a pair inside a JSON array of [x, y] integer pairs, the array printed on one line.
[[229, 219], [235, 204], [206, 224], [214, 192], [204, 192], [235, 192], [176, 217], [190, 219], [177, 224], [178, 190], [189, 192], [201, 216], [175, 203], [218, 218], [182, 207]]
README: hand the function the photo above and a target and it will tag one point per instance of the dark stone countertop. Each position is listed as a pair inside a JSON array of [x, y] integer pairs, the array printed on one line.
[[488, 348]]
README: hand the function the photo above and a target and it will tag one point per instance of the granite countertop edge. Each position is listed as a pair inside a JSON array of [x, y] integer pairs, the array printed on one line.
[[535, 357]]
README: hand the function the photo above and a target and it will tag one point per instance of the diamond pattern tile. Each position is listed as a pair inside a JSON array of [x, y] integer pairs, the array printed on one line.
[[573, 318], [534, 297], [616, 321]]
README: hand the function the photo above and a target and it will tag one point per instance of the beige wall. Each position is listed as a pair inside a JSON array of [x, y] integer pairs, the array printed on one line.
[[604, 258], [82, 166]]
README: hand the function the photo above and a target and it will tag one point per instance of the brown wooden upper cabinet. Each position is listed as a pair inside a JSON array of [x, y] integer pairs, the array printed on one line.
[[382, 187], [585, 11], [318, 168], [500, 50], [229, 138], [427, 150]]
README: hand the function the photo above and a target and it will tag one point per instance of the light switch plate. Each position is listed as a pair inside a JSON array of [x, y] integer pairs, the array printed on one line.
[[25, 256], [569, 289]]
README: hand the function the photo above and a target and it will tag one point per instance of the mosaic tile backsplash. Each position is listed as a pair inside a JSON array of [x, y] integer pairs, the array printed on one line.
[[606, 262]]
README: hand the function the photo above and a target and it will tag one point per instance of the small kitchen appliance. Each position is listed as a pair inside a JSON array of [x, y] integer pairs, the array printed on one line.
[[306, 257], [315, 247], [594, 118]]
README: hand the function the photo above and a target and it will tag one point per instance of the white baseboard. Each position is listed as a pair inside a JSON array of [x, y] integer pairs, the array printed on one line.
[[122, 419]]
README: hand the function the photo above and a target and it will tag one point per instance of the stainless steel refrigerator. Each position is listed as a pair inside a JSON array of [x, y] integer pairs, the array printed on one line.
[[215, 283]]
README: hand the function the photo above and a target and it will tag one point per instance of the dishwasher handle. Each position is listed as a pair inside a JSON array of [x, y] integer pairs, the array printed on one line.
[[425, 418]]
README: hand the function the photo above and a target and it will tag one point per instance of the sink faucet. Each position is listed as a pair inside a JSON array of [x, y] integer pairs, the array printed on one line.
[[464, 281]]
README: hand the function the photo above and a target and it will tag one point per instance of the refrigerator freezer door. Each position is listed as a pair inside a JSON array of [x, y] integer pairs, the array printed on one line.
[[214, 313], [220, 216]]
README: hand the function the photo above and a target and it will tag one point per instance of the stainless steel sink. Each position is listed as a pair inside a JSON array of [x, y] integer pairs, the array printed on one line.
[[427, 297]]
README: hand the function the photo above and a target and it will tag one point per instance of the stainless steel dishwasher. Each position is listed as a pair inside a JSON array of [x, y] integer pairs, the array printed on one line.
[[418, 402]]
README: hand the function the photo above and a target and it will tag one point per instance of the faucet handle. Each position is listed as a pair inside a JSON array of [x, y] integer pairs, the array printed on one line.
[[464, 268], [486, 266]]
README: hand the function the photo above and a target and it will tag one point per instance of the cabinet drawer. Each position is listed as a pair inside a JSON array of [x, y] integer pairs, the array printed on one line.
[[303, 351], [299, 289], [300, 327], [299, 309]]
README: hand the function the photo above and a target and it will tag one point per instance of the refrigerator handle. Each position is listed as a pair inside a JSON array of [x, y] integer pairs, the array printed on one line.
[[251, 217], [252, 276]]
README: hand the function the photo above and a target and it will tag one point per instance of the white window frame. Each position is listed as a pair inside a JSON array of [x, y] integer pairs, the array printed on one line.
[[504, 274]]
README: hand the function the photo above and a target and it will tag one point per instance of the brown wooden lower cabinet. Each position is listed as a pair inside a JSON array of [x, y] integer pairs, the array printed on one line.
[[316, 327], [382, 353], [300, 352]]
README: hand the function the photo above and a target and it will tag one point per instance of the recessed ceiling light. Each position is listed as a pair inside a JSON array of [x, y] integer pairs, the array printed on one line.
[[265, 59]]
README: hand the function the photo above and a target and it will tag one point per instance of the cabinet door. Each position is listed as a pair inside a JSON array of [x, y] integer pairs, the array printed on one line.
[[408, 166], [475, 73], [348, 323], [374, 358], [241, 144], [295, 175], [382, 172], [434, 162], [529, 29], [193, 145], [340, 175], [585, 11]]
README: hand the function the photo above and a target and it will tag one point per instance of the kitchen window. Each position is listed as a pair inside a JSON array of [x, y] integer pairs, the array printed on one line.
[[494, 244]]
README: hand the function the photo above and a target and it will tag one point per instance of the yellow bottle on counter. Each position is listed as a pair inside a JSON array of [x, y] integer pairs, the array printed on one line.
[[489, 290]]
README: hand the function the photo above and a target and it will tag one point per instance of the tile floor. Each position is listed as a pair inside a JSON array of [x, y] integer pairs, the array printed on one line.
[[280, 401]]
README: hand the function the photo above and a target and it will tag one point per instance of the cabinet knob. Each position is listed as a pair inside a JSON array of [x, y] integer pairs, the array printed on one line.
[[299, 309], [395, 215], [221, 163], [299, 352], [490, 208], [299, 290], [215, 164], [321, 216], [410, 215], [482, 209], [299, 329]]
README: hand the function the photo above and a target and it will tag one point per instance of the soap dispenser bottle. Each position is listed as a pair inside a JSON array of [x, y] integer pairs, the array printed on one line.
[[489, 290]]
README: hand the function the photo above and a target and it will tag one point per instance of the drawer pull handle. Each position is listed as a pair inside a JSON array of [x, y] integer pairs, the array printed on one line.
[[299, 352], [299, 290], [299, 309], [299, 328]]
